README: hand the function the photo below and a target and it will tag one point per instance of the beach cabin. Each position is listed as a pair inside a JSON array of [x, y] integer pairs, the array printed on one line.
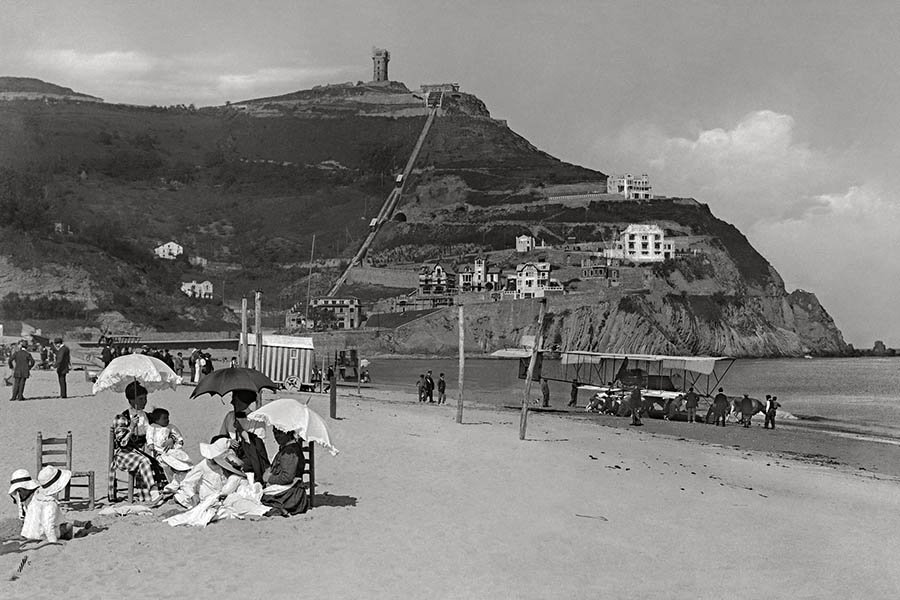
[[287, 360]]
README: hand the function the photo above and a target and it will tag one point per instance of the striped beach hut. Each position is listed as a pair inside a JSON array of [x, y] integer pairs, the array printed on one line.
[[286, 359]]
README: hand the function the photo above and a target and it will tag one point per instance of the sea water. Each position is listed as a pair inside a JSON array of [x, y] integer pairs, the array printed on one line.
[[861, 394]]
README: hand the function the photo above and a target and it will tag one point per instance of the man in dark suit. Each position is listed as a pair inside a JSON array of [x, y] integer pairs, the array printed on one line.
[[63, 363], [20, 362]]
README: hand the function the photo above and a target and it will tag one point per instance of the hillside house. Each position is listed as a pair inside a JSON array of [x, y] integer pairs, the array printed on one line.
[[193, 289], [533, 280], [198, 261], [295, 319], [169, 250], [478, 277], [601, 267], [434, 279], [645, 243], [527, 243], [633, 188], [345, 310]]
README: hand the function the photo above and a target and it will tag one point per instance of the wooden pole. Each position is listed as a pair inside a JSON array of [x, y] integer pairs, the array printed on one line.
[[332, 395], [312, 253], [462, 366], [538, 342], [243, 355], [257, 328]]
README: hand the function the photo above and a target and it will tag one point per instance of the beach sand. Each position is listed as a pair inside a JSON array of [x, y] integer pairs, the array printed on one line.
[[416, 505]]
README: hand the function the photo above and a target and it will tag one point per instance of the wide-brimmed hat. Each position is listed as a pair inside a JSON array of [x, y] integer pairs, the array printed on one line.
[[21, 479], [178, 459], [53, 480], [220, 453]]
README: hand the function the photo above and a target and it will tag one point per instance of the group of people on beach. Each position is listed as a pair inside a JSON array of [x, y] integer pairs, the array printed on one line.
[[235, 477], [20, 362], [426, 385]]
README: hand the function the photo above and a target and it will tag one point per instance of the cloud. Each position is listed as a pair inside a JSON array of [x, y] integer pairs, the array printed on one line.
[[804, 208], [112, 63]]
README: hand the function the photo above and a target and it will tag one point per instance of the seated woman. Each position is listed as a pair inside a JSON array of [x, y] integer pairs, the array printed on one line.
[[131, 439], [247, 437], [284, 491], [215, 488]]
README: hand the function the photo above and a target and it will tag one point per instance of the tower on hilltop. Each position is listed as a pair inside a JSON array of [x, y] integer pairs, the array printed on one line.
[[380, 58]]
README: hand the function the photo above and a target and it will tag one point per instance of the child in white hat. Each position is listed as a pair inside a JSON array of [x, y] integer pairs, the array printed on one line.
[[43, 517], [21, 490]]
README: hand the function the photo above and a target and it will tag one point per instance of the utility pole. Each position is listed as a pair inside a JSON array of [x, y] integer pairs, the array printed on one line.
[[538, 342], [312, 253]]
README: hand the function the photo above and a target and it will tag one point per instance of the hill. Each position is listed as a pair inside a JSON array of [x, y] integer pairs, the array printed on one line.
[[90, 188], [28, 88]]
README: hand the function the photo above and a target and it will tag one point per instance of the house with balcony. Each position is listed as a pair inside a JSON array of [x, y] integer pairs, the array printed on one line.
[[645, 243], [477, 277], [345, 309], [533, 280], [633, 188], [603, 268]]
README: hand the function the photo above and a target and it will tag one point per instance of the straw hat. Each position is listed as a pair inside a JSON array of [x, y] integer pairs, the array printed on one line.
[[178, 459], [20, 479], [53, 480], [220, 453]]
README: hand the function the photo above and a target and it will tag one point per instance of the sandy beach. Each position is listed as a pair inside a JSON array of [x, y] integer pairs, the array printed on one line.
[[418, 505]]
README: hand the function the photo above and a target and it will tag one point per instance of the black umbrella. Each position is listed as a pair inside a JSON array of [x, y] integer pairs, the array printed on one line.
[[223, 381]]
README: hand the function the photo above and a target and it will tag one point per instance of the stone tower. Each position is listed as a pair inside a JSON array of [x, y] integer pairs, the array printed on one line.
[[380, 60]]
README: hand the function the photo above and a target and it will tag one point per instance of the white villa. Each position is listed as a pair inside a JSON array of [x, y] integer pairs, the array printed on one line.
[[645, 243], [527, 243], [203, 289], [633, 188], [169, 250], [345, 309], [533, 280]]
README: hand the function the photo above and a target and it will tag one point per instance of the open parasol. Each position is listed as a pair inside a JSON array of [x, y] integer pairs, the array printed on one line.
[[288, 414], [150, 372], [224, 381]]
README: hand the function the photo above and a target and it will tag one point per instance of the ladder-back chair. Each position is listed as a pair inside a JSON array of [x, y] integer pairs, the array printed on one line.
[[58, 452], [309, 473]]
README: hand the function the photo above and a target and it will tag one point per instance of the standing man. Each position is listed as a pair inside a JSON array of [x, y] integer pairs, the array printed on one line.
[[691, 400], [429, 387], [106, 355], [420, 387], [63, 363], [636, 405], [573, 394], [545, 393], [20, 362], [771, 408], [442, 389], [178, 364], [720, 406]]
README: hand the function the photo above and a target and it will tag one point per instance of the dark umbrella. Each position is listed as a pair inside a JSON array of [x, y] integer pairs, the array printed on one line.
[[223, 381]]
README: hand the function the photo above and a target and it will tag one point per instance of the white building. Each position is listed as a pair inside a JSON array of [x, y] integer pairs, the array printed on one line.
[[169, 251], [633, 188], [203, 289], [198, 261], [645, 243], [533, 280], [345, 310], [527, 243]]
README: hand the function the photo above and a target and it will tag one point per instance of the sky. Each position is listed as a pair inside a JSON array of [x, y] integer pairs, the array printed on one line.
[[782, 116]]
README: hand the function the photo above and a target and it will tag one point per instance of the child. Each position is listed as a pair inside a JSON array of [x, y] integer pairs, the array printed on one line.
[[165, 443], [21, 490], [43, 518]]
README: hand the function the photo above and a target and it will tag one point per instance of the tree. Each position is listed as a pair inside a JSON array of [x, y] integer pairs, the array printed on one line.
[[23, 202]]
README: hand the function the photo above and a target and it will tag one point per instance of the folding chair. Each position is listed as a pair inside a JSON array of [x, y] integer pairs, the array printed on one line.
[[309, 473], [113, 475], [42, 451]]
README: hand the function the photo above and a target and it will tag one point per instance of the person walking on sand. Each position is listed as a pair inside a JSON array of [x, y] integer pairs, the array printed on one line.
[[442, 389], [545, 393], [178, 364], [771, 408], [746, 410], [720, 406], [62, 363], [420, 387], [429, 387], [573, 393], [635, 403], [691, 400], [21, 363]]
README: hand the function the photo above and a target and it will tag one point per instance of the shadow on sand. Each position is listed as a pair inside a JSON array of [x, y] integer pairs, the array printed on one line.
[[327, 499]]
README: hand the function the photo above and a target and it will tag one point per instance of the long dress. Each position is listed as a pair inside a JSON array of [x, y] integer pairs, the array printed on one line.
[[129, 453], [202, 489], [284, 492], [251, 435]]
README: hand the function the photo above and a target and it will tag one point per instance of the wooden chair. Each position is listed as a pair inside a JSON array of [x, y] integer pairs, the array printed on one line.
[[113, 475], [56, 447], [309, 473]]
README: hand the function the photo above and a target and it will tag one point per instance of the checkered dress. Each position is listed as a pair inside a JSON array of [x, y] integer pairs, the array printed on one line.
[[130, 457]]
